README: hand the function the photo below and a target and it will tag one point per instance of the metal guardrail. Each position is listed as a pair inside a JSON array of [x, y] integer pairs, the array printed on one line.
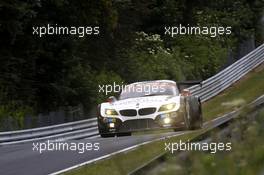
[[224, 79], [88, 128], [66, 131]]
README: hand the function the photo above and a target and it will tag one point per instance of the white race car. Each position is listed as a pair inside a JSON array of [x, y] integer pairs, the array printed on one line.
[[150, 105]]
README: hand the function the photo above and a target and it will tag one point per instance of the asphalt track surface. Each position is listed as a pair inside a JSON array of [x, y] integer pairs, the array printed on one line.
[[21, 159]]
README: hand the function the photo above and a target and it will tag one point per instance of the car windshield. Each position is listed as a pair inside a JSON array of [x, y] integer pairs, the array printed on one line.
[[148, 89]]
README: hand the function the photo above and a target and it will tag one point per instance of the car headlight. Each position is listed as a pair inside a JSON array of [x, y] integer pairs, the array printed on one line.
[[110, 112], [167, 120], [167, 107]]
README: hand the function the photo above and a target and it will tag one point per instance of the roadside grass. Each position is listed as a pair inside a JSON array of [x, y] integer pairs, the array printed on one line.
[[123, 163], [241, 93], [246, 156]]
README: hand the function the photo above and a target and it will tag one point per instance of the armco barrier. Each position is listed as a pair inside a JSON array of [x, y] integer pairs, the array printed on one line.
[[88, 128], [222, 80], [72, 130]]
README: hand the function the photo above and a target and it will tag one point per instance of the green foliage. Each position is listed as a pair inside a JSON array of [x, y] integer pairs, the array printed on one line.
[[202, 57], [245, 157], [105, 78], [149, 59], [16, 112], [228, 13], [53, 71]]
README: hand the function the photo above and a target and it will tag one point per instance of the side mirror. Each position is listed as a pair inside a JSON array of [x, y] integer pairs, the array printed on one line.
[[186, 92], [111, 99]]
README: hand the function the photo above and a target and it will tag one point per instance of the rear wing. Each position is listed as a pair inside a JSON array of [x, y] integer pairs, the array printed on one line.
[[186, 84]]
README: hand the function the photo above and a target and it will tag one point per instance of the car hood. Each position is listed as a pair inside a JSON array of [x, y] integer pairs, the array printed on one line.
[[142, 102]]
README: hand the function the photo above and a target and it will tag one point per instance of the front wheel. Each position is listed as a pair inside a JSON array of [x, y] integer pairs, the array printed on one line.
[[194, 113], [198, 123], [187, 118]]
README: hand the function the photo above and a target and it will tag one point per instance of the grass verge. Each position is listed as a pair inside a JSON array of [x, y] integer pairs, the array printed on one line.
[[123, 163], [246, 156], [238, 95]]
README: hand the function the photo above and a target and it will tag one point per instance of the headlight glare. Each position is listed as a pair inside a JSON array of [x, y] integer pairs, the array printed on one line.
[[111, 125], [110, 112], [166, 120], [167, 107]]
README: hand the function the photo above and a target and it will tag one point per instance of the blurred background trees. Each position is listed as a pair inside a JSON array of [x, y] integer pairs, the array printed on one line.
[[43, 74]]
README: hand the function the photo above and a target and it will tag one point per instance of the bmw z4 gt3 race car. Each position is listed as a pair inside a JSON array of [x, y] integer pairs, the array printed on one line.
[[150, 105]]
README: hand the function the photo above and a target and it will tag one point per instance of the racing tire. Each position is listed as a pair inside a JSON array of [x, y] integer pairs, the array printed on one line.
[[194, 113], [187, 116], [198, 123]]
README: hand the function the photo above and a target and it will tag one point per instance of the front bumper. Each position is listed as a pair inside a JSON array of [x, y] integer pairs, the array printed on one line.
[[173, 119]]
